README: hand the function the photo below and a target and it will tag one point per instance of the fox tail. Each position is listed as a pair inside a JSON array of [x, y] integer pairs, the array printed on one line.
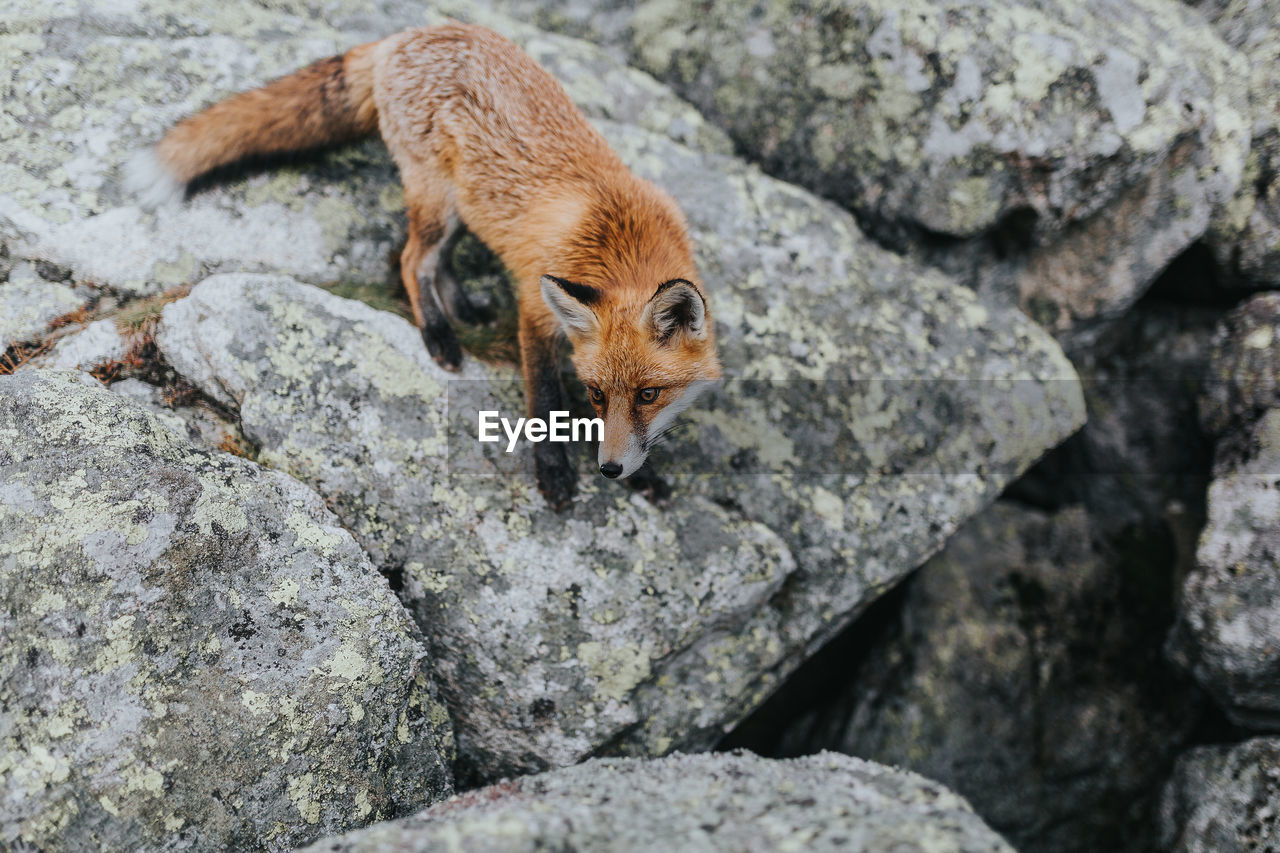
[[328, 103]]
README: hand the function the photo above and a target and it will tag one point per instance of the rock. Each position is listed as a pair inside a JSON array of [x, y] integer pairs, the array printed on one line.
[[28, 304], [1245, 235], [1024, 672], [1223, 798], [197, 421], [1228, 631], [1244, 368], [1056, 155], [196, 655], [554, 634], [98, 343], [730, 802], [92, 84], [619, 626], [1141, 464]]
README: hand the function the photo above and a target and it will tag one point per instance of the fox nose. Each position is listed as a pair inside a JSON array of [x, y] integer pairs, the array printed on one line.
[[611, 470]]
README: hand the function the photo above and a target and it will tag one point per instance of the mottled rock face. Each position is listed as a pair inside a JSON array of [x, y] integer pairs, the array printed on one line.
[[196, 654], [92, 84], [1223, 798], [729, 802], [1246, 234], [1229, 618], [1229, 615], [1055, 154], [1244, 372], [877, 390], [29, 303], [1025, 671]]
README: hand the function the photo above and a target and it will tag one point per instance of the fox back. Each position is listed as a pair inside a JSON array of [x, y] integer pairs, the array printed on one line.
[[484, 136]]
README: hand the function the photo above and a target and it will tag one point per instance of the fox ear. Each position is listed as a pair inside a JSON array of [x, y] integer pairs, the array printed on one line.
[[677, 308], [571, 303]]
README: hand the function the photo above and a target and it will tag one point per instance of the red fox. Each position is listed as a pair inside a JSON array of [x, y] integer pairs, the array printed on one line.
[[484, 136]]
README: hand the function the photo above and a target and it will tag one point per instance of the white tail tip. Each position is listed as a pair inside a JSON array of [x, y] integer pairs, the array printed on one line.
[[146, 178]]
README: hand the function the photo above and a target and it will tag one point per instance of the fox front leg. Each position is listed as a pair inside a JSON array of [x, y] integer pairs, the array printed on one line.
[[556, 478]]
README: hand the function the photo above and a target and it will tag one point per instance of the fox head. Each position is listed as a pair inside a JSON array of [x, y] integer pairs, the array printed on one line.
[[643, 361]]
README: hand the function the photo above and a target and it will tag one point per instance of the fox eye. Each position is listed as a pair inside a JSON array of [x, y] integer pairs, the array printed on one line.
[[597, 396], [647, 395]]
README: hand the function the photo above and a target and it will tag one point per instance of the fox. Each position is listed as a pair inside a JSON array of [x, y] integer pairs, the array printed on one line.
[[486, 139]]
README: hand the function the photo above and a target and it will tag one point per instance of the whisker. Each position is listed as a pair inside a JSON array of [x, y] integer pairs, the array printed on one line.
[[655, 440]]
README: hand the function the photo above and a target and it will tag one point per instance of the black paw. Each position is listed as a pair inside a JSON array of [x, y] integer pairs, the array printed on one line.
[[443, 346], [647, 482], [556, 478]]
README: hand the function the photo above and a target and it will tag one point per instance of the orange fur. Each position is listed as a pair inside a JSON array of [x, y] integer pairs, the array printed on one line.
[[482, 133]]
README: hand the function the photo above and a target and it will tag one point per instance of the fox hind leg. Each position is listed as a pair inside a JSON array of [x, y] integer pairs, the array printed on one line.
[[418, 266], [453, 297]]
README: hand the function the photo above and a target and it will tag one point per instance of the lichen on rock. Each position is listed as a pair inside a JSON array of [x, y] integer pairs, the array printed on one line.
[[197, 654], [1223, 797], [727, 802], [1053, 155]]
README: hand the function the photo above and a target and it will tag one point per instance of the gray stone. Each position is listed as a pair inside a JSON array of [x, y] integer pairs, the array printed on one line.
[[94, 83], [1025, 672], [97, 344], [1223, 798], [1245, 235], [28, 304], [196, 655], [729, 802], [1059, 155], [1228, 632], [1244, 369], [198, 422]]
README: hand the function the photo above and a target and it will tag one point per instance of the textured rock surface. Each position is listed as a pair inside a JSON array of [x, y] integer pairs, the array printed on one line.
[[1025, 672], [1246, 234], [1059, 154], [196, 655], [93, 83], [98, 343], [879, 389], [1228, 632], [29, 303], [731, 802], [1224, 798], [1244, 371]]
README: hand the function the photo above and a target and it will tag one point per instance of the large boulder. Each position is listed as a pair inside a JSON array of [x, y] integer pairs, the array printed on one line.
[[1245, 235], [1058, 154], [91, 84], [865, 387], [1228, 631], [195, 656], [1223, 798], [1024, 671], [729, 802], [1244, 372]]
